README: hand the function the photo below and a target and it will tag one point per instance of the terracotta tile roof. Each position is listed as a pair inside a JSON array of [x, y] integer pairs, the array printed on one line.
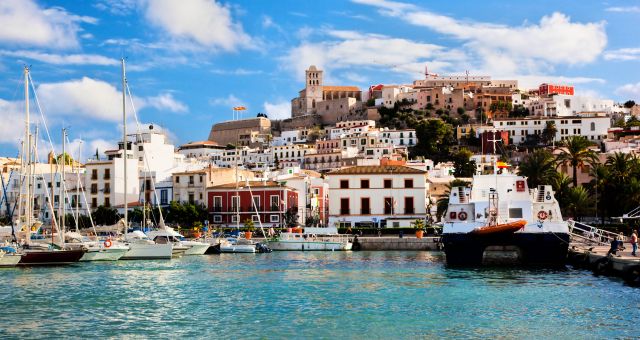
[[377, 170], [340, 88], [204, 142], [252, 184]]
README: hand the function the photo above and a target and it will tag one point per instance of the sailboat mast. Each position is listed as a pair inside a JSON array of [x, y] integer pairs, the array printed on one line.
[[78, 186], [27, 138], [124, 145], [61, 191]]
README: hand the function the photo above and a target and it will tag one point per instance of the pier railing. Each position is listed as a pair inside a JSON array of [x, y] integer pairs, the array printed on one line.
[[589, 235]]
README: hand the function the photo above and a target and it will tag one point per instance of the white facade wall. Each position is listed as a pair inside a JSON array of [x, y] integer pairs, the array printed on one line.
[[593, 128], [376, 193]]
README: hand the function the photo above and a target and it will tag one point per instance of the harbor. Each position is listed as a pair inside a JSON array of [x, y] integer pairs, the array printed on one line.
[[312, 294]]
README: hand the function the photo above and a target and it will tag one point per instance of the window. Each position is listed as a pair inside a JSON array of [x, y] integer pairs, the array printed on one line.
[[107, 173], [344, 206], [94, 174], [235, 203], [364, 183], [177, 179], [316, 191], [274, 218], [593, 126], [275, 202], [408, 205], [107, 188], [256, 202], [387, 184], [94, 203], [388, 206], [344, 184], [191, 180], [163, 196], [217, 203], [217, 219], [94, 188], [408, 183], [515, 212], [365, 206], [107, 202], [234, 218], [191, 198], [255, 218]]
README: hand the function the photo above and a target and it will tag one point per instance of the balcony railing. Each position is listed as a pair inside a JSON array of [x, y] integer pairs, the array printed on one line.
[[107, 190], [409, 211], [107, 176], [94, 177], [345, 212], [94, 190], [365, 212], [217, 209]]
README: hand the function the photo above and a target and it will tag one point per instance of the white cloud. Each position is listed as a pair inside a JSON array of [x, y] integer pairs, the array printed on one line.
[[60, 59], [236, 72], [25, 22], [355, 49], [229, 101], [12, 117], [207, 23], [117, 7], [89, 99], [623, 54], [630, 91], [629, 9], [355, 77], [528, 47], [165, 101], [280, 110]]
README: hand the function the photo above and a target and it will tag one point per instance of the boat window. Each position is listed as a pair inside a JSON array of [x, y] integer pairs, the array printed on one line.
[[515, 212]]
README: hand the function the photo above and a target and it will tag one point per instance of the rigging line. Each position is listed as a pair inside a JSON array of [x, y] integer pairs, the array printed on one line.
[[144, 150], [44, 122]]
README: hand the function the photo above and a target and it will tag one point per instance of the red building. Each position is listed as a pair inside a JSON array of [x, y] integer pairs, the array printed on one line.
[[272, 201], [549, 89], [488, 137]]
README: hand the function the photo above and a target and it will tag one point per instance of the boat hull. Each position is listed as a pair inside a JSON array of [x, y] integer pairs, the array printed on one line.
[[104, 254], [468, 249], [142, 251], [238, 248], [9, 260], [50, 257], [286, 245], [197, 249]]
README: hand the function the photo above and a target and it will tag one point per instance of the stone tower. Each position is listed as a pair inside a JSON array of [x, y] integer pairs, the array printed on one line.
[[313, 88]]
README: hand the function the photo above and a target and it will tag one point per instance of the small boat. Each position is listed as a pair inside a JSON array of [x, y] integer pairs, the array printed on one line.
[[180, 245], [510, 227], [107, 250], [142, 248], [310, 242], [9, 257], [50, 257]]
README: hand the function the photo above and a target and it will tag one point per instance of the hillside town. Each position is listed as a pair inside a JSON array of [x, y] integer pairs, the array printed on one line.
[[381, 157]]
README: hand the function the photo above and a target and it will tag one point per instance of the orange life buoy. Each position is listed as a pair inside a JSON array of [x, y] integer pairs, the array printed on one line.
[[462, 216], [108, 244], [542, 215]]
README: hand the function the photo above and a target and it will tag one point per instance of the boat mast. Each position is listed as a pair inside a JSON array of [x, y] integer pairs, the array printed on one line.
[[27, 154], [61, 191], [78, 186], [124, 145]]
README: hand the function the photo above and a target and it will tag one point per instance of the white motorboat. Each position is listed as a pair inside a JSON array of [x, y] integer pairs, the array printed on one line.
[[310, 242], [237, 245], [180, 245], [107, 250], [142, 248], [9, 258]]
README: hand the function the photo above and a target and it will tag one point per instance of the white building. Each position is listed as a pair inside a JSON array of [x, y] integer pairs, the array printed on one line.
[[563, 105], [290, 155], [392, 195], [592, 126]]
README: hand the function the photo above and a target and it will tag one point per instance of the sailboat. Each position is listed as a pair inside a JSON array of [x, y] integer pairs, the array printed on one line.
[[32, 254], [140, 246]]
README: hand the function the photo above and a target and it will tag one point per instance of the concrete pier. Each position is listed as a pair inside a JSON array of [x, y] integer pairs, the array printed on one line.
[[396, 243], [623, 264]]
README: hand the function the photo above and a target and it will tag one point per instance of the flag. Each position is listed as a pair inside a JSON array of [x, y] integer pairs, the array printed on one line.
[[503, 165], [239, 108]]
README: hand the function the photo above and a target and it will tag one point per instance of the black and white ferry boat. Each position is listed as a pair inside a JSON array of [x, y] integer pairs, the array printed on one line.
[[499, 220]]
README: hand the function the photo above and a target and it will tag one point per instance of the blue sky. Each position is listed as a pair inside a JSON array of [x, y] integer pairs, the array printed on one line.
[[190, 61]]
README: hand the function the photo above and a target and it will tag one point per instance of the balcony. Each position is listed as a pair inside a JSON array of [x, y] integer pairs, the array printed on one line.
[[217, 209], [365, 212], [275, 208], [94, 177], [94, 190], [409, 211], [106, 176], [345, 212], [106, 190]]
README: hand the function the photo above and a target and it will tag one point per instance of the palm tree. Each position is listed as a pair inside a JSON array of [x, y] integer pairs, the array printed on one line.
[[598, 184], [575, 152], [538, 167], [621, 165], [443, 202], [578, 202], [561, 184]]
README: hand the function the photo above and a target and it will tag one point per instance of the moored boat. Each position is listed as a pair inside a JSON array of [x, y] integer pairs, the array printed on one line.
[[499, 220], [310, 242], [9, 257]]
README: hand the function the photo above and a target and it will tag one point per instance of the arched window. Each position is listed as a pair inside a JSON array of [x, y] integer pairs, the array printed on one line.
[[593, 126]]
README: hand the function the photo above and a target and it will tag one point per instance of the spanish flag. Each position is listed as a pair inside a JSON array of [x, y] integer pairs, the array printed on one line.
[[239, 108]]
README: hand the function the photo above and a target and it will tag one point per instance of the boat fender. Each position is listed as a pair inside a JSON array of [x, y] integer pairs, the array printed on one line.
[[542, 215], [462, 216], [601, 266], [108, 243]]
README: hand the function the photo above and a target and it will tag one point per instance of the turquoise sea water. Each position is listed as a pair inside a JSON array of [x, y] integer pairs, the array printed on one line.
[[312, 295]]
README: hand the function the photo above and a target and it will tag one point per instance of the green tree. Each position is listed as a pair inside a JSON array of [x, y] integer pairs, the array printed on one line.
[[462, 163], [105, 215], [578, 202], [539, 167], [576, 153], [67, 159], [629, 104], [435, 137], [461, 111], [549, 132]]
